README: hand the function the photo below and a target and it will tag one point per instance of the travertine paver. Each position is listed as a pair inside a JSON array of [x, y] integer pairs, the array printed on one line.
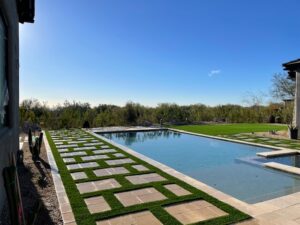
[[78, 175], [282, 167], [82, 165], [100, 185], [93, 144], [62, 140], [110, 171], [140, 218], [85, 138], [139, 196], [265, 139], [94, 157], [145, 178], [67, 146], [76, 142], [277, 153], [63, 150], [177, 190], [104, 151], [249, 139], [194, 211], [119, 155], [273, 142], [97, 204], [69, 160], [64, 204], [71, 154], [119, 161], [84, 148], [283, 145], [105, 146], [140, 168]]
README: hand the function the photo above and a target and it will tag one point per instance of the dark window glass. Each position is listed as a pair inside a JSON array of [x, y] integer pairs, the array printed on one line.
[[4, 96]]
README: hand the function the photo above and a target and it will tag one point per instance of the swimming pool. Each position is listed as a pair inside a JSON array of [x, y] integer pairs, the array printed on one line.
[[220, 164]]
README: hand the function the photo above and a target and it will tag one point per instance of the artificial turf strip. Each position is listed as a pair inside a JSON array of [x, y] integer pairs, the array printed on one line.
[[80, 209], [229, 129], [293, 144]]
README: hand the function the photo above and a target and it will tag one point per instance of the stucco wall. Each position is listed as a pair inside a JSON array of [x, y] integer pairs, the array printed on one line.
[[9, 137]]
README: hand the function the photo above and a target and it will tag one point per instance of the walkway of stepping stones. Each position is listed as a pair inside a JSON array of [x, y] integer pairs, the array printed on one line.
[[283, 143], [110, 186]]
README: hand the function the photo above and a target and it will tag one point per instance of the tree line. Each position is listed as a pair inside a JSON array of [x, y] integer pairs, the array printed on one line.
[[76, 114]]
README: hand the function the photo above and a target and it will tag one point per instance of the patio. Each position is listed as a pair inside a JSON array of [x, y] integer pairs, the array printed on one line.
[[112, 186]]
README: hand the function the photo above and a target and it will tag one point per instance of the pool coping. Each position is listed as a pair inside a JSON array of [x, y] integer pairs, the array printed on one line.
[[255, 210], [234, 140]]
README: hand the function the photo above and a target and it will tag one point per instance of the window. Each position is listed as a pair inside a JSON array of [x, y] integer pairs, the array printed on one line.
[[4, 96]]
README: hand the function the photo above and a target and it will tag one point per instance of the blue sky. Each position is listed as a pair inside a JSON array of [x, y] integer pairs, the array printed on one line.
[[185, 52]]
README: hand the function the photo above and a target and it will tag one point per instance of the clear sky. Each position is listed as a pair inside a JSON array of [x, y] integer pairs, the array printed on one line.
[[154, 51]]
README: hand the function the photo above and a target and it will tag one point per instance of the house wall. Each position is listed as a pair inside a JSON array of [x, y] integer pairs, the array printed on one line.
[[9, 136]]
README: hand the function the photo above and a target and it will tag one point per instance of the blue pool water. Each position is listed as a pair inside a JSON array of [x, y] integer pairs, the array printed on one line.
[[220, 164]]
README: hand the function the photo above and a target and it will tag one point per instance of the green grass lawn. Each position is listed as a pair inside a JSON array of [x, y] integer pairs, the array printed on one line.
[[228, 129]]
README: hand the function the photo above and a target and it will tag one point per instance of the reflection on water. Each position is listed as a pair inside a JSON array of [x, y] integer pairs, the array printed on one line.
[[139, 137]]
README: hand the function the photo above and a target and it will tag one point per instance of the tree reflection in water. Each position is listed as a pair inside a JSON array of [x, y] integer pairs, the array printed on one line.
[[139, 137]]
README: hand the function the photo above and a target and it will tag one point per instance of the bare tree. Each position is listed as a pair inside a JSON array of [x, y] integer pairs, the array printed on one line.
[[282, 86]]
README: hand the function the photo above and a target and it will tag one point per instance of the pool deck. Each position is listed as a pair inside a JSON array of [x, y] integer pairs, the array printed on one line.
[[282, 167], [117, 129], [281, 210], [283, 152]]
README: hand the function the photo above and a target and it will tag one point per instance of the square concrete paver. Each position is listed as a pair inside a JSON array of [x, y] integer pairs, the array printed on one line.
[[249, 139], [273, 142], [67, 146], [93, 144], [85, 148], [105, 146], [119, 161], [82, 165], [283, 145], [194, 211], [264, 139], [78, 175], [85, 138], [94, 157], [145, 178], [76, 142], [140, 196], [71, 154], [100, 185], [119, 155], [140, 168], [140, 218], [110, 171], [177, 190], [97, 204], [63, 150], [69, 160], [104, 151]]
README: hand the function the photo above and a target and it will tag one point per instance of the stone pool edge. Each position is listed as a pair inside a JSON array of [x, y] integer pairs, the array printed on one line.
[[254, 210], [234, 140]]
